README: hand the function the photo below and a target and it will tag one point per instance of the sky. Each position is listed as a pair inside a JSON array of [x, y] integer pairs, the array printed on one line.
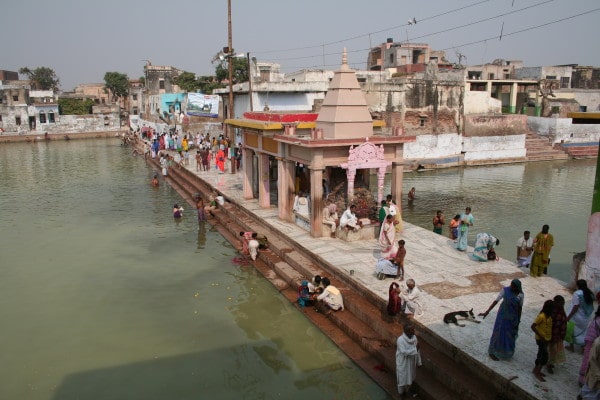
[[81, 40]]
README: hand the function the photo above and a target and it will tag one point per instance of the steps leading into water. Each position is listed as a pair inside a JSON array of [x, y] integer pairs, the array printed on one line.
[[363, 331], [540, 149]]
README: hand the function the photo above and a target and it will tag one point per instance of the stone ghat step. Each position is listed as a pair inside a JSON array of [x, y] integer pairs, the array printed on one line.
[[582, 151], [362, 330], [547, 157]]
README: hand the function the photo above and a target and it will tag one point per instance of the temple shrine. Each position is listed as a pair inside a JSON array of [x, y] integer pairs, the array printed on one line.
[[298, 161]]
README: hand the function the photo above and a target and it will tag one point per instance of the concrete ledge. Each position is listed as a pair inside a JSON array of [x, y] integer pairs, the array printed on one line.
[[367, 232]]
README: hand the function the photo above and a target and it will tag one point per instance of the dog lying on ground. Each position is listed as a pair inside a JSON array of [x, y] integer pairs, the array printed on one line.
[[465, 316]]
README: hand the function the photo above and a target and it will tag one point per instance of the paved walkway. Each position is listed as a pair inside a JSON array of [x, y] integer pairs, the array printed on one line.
[[451, 281]]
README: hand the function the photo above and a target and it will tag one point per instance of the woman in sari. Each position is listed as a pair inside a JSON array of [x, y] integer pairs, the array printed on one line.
[[542, 244], [386, 238], [394, 302], [506, 328], [395, 212], [582, 308], [483, 244], [592, 333], [466, 220], [220, 160]]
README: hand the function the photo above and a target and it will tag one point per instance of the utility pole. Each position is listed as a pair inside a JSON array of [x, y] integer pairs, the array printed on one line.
[[230, 114]]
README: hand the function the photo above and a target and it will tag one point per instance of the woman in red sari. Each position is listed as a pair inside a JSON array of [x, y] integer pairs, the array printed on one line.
[[394, 301], [220, 160]]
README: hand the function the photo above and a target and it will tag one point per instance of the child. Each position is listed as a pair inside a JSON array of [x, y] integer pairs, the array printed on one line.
[[454, 222], [177, 211], [542, 326], [556, 348]]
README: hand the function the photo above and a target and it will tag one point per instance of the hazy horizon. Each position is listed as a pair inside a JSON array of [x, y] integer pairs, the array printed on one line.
[[81, 41]]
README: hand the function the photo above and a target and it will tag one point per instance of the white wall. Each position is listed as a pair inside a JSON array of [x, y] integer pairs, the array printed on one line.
[[494, 147], [563, 130], [481, 103], [433, 146]]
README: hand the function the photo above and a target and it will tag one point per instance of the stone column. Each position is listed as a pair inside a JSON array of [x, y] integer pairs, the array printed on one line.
[[512, 107], [316, 202], [380, 180], [264, 192], [247, 166], [397, 171], [350, 176], [285, 189]]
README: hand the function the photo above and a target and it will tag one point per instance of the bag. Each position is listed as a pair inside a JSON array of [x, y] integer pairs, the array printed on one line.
[[491, 255]]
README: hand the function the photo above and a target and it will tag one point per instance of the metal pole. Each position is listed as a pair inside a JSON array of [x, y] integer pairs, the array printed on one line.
[[249, 81], [230, 134]]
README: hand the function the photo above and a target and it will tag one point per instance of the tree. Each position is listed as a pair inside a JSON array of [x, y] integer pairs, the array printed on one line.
[[42, 78], [240, 69], [208, 84], [75, 106], [117, 84], [187, 81]]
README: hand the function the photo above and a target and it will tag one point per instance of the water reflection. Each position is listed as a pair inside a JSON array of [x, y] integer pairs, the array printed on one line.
[[103, 295]]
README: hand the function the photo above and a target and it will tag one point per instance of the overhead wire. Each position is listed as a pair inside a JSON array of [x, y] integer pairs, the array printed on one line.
[[371, 33], [503, 35]]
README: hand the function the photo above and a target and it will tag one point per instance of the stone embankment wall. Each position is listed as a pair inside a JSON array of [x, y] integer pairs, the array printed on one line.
[[563, 131], [486, 140]]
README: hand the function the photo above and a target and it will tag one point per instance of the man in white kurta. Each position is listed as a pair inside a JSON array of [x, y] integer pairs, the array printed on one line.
[[408, 358], [349, 219]]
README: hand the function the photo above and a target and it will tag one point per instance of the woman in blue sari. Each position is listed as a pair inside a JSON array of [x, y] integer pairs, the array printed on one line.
[[466, 220], [506, 327]]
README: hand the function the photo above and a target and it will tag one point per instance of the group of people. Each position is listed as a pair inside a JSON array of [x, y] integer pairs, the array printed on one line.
[[534, 253], [252, 242], [553, 327], [320, 291]]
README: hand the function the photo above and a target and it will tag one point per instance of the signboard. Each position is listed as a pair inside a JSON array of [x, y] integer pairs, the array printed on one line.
[[203, 105]]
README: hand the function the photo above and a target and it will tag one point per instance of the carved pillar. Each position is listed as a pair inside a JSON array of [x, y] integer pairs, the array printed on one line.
[[350, 175], [285, 189], [247, 166], [264, 195], [380, 180], [397, 171], [316, 202]]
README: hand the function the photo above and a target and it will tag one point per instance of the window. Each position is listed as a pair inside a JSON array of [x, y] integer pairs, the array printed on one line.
[[134, 97], [506, 76], [564, 82], [135, 111], [15, 97], [0, 118], [551, 77], [51, 117], [490, 75], [42, 118], [581, 109], [161, 84], [423, 120], [18, 121]]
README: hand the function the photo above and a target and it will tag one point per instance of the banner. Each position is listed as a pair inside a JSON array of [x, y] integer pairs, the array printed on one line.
[[203, 105]]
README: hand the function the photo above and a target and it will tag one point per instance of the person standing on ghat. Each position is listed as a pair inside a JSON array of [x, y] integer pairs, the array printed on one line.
[[438, 222], [542, 245], [466, 221]]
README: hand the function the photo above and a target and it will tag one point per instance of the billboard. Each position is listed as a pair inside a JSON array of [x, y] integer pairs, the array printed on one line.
[[203, 105]]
